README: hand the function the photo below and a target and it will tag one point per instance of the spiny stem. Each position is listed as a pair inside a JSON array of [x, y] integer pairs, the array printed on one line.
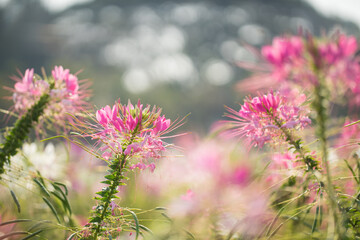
[[113, 188], [15, 139], [121, 162]]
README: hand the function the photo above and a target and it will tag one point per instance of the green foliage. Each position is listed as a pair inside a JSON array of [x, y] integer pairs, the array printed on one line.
[[19, 133]]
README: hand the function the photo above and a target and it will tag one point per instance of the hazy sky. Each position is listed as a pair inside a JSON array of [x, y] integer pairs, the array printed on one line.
[[346, 9]]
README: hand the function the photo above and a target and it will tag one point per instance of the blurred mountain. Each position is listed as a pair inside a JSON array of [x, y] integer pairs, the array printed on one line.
[[177, 54]]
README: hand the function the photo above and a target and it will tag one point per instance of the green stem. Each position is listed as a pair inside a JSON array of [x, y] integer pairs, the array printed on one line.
[[321, 117], [15, 139], [308, 160], [113, 189], [118, 166]]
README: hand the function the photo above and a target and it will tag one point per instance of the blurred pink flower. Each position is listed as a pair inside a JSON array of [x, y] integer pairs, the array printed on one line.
[[283, 50], [261, 119], [67, 97], [348, 139], [298, 60], [283, 166]]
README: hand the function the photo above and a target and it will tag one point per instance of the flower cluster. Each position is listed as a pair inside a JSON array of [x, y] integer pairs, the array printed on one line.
[[269, 117], [66, 95], [298, 60], [134, 131]]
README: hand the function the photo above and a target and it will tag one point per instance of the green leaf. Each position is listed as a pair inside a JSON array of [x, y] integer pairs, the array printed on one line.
[[136, 223], [110, 177], [63, 185], [15, 221], [32, 235], [315, 219], [42, 187], [71, 236], [64, 202], [6, 236], [352, 171], [160, 209], [102, 194], [106, 182], [145, 229], [52, 209], [167, 217], [37, 225], [189, 234], [16, 201], [95, 220]]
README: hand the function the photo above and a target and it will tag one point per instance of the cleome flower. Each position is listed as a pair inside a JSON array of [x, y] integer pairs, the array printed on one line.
[[304, 61], [67, 96], [134, 131], [267, 118]]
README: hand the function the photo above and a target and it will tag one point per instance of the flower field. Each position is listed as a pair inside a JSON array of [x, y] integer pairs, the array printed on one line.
[[283, 164]]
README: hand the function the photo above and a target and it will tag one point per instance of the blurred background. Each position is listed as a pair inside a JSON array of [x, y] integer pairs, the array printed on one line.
[[179, 55]]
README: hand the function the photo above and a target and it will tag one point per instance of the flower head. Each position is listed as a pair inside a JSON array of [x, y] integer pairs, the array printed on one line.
[[267, 118], [135, 131], [67, 97], [303, 60]]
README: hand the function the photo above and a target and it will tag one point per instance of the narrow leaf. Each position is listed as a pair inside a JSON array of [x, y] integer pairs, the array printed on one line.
[[71, 236], [352, 171], [145, 229], [189, 234], [160, 209], [42, 187], [16, 201], [37, 225], [64, 202], [3, 237], [136, 223], [315, 219], [167, 217], [63, 185], [15, 221], [32, 235], [52, 208]]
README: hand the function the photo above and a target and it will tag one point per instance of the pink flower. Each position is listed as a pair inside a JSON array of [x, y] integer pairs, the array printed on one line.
[[300, 61], [349, 138], [67, 97], [135, 131], [188, 196], [283, 50], [113, 206], [262, 119], [241, 175]]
